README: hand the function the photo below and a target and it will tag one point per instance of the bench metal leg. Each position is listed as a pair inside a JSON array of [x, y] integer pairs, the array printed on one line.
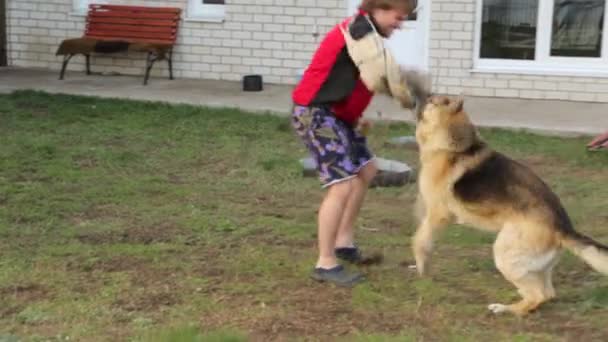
[[170, 62], [88, 57], [66, 60], [149, 63]]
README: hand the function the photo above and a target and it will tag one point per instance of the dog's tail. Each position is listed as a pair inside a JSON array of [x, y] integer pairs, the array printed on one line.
[[592, 252]]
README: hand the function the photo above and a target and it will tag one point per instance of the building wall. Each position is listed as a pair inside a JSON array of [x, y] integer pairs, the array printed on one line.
[[275, 38], [451, 59], [269, 37]]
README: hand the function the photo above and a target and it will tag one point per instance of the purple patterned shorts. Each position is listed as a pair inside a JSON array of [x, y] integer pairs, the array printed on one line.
[[338, 149]]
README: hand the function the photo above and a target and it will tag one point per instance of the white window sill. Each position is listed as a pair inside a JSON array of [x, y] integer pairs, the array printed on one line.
[[543, 71], [205, 19]]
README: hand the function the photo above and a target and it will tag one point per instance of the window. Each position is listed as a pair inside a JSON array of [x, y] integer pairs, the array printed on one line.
[[81, 7], [207, 9], [564, 36]]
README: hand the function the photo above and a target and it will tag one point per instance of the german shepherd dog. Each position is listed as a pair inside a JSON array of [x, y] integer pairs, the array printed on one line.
[[464, 181]]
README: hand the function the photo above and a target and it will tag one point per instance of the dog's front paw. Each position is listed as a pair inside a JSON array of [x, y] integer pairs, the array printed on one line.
[[498, 308]]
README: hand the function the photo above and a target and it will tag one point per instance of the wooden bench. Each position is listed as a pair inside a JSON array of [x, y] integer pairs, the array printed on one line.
[[114, 28]]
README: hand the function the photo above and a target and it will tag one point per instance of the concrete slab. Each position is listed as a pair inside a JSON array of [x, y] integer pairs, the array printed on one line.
[[549, 117]]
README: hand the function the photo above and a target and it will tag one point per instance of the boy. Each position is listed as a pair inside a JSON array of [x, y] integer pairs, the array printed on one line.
[[349, 66]]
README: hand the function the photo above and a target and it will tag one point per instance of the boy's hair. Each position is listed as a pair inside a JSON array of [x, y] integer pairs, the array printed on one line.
[[405, 5]]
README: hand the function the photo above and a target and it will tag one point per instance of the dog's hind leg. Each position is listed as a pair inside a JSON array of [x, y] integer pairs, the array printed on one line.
[[548, 274], [435, 218], [531, 287], [528, 270]]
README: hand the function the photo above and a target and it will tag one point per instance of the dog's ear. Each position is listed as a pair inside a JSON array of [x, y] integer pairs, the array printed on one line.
[[457, 105]]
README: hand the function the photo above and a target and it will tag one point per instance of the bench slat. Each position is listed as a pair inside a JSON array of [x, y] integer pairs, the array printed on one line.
[[132, 40], [136, 8], [131, 15], [128, 28], [138, 22], [133, 35]]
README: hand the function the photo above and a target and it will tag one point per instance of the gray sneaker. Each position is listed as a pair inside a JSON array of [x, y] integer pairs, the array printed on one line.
[[337, 275]]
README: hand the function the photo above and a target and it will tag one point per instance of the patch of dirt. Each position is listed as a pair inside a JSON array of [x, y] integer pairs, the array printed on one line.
[[21, 295], [37, 110], [84, 162], [151, 290], [133, 235], [120, 263], [29, 292], [148, 301]]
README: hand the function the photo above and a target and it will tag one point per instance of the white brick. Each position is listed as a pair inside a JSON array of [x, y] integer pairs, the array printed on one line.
[[244, 18], [295, 11], [305, 21], [283, 37], [282, 54], [556, 95], [220, 68], [569, 86], [581, 96], [520, 84], [449, 81], [507, 93], [471, 82], [461, 54], [543, 85], [254, 44], [273, 28], [452, 7], [252, 61], [271, 62], [284, 19], [252, 27], [293, 63], [263, 36], [262, 53], [488, 92], [306, 3], [241, 35], [231, 60], [241, 52], [273, 10], [316, 12], [452, 26], [496, 83], [272, 45], [259, 18]]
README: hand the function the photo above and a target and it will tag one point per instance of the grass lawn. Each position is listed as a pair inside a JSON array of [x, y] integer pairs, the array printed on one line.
[[124, 220]]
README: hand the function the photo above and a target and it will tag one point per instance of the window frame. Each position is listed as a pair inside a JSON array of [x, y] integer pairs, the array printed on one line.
[[81, 6], [197, 11], [543, 62], [78, 9]]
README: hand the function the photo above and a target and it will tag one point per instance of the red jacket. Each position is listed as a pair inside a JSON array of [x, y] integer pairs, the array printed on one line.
[[332, 79]]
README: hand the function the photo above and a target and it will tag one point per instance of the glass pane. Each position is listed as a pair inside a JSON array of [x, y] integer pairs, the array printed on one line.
[[577, 28], [508, 29], [413, 16], [214, 2]]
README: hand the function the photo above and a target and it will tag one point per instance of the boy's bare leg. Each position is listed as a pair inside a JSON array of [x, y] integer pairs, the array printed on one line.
[[330, 214], [360, 184]]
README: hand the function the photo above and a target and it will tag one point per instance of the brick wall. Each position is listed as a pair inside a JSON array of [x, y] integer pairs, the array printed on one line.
[[269, 37], [275, 38], [451, 60]]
